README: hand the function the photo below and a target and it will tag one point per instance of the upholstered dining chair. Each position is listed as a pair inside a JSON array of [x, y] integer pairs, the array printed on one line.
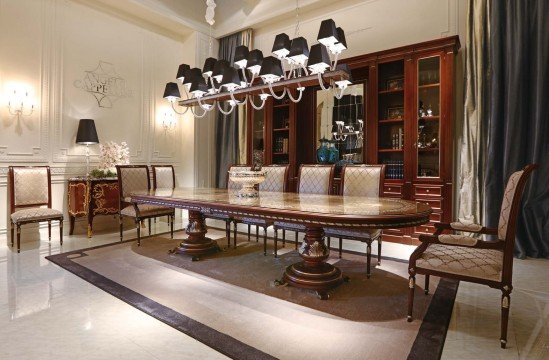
[[360, 180], [312, 179], [30, 191], [232, 187], [132, 179], [163, 179], [276, 180], [466, 258]]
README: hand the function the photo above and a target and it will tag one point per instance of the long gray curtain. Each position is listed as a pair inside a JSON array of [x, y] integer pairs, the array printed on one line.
[[518, 131], [226, 126], [476, 114]]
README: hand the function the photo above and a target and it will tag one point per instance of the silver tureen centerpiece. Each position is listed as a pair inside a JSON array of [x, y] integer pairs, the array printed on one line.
[[248, 179]]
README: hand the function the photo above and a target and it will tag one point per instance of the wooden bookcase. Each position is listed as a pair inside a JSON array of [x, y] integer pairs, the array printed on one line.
[[408, 107]]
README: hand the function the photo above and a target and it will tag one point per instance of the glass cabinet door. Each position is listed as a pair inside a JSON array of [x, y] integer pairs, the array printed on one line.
[[258, 135], [428, 115]]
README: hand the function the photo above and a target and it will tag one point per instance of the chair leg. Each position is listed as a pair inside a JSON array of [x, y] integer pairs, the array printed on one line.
[[249, 230], [256, 233], [49, 230], [234, 232], [328, 240], [18, 238], [296, 239], [12, 230], [283, 237], [121, 226], [138, 226], [149, 223], [368, 258], [275, 242], [265, 241], [228, 233], [379, 250], [411, 286], [340, 247], [505, 303], [171, 221], [61, 232], [427, 284]]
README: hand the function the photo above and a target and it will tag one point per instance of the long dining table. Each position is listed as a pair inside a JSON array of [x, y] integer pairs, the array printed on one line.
[[315, 212]]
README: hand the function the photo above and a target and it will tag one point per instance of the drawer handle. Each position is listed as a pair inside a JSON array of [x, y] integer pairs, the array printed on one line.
[[388, 189], [427, 190]]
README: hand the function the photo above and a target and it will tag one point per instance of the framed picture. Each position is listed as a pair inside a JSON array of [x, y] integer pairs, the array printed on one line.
[[395, 84], [394, 113]]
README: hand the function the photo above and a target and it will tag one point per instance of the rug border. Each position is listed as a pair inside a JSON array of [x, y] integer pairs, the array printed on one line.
[[428, 344]]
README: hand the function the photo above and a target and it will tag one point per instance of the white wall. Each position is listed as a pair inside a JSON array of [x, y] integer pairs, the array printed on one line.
[[46, 47], [374, 25]]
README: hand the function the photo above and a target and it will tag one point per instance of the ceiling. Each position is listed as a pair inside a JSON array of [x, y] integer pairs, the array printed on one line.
[[184, 16]]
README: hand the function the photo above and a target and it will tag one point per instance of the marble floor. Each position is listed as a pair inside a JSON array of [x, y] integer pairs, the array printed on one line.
[[49, 313]]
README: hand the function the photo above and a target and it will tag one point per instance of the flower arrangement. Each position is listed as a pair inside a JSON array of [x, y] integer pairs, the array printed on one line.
[[112, 154]]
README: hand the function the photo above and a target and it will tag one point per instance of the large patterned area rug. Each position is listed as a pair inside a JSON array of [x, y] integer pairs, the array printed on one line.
[[230, 302]]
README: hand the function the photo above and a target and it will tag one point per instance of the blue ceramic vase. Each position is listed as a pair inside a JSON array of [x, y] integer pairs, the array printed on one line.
[[323, 152]]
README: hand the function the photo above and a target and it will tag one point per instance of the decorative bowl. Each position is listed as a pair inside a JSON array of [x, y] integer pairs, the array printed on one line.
[[248, 179]]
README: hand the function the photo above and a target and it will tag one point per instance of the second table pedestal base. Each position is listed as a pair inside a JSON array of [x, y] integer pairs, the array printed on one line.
[[314, 273]]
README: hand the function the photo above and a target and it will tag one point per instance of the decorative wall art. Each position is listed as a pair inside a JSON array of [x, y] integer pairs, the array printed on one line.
[[104, 84]]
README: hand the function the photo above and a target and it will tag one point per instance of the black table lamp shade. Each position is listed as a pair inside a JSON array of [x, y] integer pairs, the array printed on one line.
[[86, 134]]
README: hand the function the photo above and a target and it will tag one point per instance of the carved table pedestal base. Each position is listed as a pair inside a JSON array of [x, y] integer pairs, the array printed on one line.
[[314, 273], [197, 244]]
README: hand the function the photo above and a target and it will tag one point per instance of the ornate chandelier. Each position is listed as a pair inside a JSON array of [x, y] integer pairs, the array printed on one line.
[[291, 67]]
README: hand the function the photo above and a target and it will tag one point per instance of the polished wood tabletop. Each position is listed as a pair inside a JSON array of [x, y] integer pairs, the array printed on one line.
[[324, 210]]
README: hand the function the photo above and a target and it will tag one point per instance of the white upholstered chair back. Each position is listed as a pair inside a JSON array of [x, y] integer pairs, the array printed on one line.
[[275, 178], [163, 177], [362, 180], [132, 179], [315, 179], [507, 204], [30, 186]]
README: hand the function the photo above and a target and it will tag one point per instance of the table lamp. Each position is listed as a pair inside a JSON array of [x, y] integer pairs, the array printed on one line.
[[87, 135]]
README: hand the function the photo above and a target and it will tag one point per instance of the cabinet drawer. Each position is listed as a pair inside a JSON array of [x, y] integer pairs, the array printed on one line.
[[426, 190], [436, 204], [435, 217], [425, 229], [392, 189]]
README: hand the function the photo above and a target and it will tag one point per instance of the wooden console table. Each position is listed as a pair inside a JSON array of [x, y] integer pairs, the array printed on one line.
[[91, 197]]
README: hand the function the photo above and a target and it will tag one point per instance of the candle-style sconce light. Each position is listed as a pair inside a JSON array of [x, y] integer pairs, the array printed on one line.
[[20, 105], [168, 122]]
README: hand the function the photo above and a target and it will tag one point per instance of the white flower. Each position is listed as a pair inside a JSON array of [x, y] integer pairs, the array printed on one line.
[[113, 154]]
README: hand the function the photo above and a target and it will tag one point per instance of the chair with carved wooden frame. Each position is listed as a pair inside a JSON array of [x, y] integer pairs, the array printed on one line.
[[360, 180], [312, 179], [163, 179], [132, 179], [466, 258], [276, 180], [30, 189], [231, 187]]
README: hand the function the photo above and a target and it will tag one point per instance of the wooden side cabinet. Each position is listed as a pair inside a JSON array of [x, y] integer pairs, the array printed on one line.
[[91, 197]]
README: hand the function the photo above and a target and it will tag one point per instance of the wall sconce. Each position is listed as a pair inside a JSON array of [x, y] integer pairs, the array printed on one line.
[[168, 122], [18, 104]]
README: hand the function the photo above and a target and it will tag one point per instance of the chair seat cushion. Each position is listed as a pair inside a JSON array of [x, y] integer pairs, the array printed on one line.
[[467, 261], [146, 210], [289, 226], [35, 214], [255, 221], [353, 234]]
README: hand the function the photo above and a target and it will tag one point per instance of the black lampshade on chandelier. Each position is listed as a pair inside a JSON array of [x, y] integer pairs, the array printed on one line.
[[291, 60]]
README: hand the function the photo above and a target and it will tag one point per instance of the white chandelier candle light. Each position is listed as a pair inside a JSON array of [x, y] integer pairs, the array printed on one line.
[[292, 66]]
